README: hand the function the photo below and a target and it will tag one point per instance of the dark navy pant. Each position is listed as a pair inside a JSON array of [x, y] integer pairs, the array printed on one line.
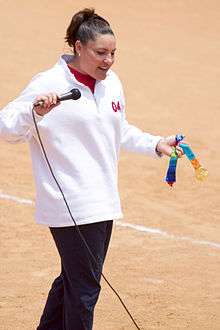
[[73, 295]]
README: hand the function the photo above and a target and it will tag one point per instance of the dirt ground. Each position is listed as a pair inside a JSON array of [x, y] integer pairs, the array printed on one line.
[[168, 59]]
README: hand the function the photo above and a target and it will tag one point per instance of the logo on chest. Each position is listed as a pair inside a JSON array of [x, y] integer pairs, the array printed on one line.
[[116, 106]]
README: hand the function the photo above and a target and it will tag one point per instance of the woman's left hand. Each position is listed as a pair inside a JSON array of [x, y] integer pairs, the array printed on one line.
[[166, 144]]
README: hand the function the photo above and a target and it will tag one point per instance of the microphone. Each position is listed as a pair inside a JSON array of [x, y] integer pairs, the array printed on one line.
[[74, 94]]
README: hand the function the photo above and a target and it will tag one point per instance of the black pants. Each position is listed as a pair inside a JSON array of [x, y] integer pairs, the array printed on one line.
[[73, 295]]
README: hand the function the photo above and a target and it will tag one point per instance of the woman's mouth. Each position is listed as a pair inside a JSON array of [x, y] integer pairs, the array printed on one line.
[[104, 68]]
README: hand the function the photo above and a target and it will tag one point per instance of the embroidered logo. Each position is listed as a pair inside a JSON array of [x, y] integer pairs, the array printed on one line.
[[116, 107]]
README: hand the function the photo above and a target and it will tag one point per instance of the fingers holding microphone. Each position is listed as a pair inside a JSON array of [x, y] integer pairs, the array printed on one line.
[[45, 103]]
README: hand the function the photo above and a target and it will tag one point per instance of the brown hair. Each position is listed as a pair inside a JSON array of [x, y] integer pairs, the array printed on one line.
[[86, 25]]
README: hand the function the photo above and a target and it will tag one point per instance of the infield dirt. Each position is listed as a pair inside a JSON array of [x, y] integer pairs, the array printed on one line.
[[168, 60]]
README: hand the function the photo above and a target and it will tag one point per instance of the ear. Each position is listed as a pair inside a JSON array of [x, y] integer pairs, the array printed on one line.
[[78, 47]]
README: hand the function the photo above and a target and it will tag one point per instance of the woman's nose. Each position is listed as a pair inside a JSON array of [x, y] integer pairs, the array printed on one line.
[[109, 60]]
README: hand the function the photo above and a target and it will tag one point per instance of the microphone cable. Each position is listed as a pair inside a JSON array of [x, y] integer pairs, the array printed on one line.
[[76, 226]]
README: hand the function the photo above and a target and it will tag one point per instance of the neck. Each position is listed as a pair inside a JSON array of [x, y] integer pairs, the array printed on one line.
[[75, 64]]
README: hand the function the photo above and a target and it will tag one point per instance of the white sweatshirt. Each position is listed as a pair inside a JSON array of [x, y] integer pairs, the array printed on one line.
[[82, 139]]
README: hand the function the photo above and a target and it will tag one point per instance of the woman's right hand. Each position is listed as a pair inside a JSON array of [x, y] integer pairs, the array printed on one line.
[[47, 103]]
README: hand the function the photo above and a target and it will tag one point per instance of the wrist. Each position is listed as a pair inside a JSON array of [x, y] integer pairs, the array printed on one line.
[[158, 147], [39, 113]]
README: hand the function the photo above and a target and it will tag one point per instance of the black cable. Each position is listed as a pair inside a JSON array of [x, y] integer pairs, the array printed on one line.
[[76, 226]]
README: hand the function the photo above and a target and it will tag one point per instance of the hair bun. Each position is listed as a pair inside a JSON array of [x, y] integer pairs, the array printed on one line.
[[83, 16], [85, 25], [87, 13]]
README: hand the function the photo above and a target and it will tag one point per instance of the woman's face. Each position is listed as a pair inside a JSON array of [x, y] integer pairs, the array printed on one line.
[[96, 57]]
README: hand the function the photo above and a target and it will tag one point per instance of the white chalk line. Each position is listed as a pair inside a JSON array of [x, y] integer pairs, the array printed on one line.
[[139, 228], [167, 235], [16, 199]]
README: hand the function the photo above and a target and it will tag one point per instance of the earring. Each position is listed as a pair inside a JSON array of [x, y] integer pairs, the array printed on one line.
[[78, 54]]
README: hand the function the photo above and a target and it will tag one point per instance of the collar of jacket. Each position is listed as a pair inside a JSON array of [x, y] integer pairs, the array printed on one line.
[[63, 62]]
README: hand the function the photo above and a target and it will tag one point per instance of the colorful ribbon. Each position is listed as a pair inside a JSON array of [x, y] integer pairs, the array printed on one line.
[[171, 172], [200, 172]]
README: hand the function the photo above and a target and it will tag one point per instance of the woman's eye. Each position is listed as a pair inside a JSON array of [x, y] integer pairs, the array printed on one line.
[[100, 53], [105, 54]]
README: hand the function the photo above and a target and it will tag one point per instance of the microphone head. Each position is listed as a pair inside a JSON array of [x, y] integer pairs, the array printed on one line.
[[75, 93]]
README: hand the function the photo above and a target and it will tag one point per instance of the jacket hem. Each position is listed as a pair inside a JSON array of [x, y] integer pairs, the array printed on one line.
[[82, 221]]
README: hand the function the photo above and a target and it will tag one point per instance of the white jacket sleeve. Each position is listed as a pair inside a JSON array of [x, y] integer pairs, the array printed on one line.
[[135, 140], [16, 120]]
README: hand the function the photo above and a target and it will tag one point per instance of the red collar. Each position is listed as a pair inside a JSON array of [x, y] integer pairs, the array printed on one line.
[[85, 79]]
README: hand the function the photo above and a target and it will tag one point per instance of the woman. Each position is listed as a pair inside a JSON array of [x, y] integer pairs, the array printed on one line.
[[82, 139]]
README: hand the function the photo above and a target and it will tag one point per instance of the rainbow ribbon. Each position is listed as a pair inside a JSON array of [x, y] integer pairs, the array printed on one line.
[[171, 172], [200, 172]]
